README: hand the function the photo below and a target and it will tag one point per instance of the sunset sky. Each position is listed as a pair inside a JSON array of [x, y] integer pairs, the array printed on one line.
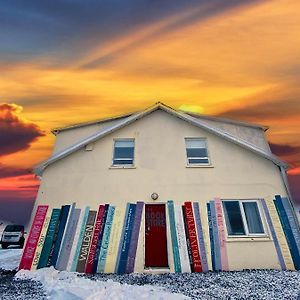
[[64, 62]]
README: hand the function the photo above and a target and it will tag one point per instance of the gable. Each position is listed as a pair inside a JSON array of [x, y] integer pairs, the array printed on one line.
[[132, 118]]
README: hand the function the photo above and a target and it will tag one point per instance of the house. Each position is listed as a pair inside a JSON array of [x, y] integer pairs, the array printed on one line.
[[206, 185]]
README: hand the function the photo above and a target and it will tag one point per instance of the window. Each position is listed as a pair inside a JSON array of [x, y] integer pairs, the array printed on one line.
[[196, 151], [243, 218], [123, 152]]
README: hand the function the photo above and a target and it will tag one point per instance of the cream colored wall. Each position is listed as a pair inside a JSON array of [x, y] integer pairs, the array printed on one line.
[[86, 177]]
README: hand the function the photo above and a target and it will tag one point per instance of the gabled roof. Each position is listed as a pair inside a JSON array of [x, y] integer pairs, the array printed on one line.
[[55, 131], [124, 121]]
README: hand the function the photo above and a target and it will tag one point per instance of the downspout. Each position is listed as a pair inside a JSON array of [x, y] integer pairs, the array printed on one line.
[[286, 184]]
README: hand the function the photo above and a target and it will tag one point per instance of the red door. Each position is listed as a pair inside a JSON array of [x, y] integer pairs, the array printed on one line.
[[156, 254]]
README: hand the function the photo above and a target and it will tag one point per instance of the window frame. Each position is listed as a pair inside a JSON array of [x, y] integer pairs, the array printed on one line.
[[113, 165], [207, 157], [244, 219]]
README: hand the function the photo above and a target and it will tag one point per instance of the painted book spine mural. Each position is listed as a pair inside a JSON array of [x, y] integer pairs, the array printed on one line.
[[107, 241], [86, 241], [32, 240]]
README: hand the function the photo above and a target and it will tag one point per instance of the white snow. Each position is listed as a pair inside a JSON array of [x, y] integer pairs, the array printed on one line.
[[66, 286], [10, 258]]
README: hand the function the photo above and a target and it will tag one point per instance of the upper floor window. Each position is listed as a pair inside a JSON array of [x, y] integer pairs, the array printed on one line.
[[196, 151], [243, 218], [123, 152]]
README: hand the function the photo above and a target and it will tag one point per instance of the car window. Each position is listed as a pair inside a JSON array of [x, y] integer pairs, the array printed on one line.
[[14, 228]]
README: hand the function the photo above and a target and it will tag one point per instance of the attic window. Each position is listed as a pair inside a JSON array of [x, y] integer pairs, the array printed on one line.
[[196, 151], [123, 152]]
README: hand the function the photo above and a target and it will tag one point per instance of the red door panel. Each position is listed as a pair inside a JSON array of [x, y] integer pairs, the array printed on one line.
[[156, 254]]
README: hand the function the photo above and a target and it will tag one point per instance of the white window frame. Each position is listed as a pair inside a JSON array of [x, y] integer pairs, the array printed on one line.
[[206, 157], [113, 153], [244, 219]]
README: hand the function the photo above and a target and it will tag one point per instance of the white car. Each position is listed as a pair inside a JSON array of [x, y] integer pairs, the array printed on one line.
[[13, 235]]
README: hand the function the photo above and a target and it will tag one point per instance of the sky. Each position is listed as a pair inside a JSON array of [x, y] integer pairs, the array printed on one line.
[[65, 62]]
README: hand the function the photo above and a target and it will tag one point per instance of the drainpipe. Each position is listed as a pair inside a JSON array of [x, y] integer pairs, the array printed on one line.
[[286, 184]]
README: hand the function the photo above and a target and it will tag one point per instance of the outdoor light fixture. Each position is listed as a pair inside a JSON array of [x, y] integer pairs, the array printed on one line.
[[154, 196]]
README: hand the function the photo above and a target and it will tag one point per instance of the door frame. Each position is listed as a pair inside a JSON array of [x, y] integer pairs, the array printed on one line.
[[144, 237]]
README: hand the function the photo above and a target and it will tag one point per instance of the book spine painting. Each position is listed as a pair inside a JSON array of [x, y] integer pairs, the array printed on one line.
[[81, 231], [134, 237], [105, 239], [126, 239], [32, 240], [86, 242], [53, 224], [200, 237], [192, 235], [174, 238], [97, 228], [37, 254], [291, 239], [63, 220], [211, 237]]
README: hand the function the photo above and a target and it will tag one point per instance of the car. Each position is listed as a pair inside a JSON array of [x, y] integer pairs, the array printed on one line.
[[13, 235]]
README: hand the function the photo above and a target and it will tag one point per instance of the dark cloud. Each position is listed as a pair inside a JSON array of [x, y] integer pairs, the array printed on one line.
[[276, 109], [284, 150], [15, 134], [58, 27], [10, 171], [294, 182]]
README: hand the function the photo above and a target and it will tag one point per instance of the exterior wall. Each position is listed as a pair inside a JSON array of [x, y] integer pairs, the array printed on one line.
[[87, 178], [255, 136], [69, 137]]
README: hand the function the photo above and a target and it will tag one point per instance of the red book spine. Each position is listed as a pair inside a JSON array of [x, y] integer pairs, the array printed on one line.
[[90, 259], [192, 235], [34, 235]]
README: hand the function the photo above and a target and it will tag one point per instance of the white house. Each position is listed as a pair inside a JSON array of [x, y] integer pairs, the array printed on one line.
[[162, 154]]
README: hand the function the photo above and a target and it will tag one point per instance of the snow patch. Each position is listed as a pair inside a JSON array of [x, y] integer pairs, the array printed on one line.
[[62, 285], [10, 258]]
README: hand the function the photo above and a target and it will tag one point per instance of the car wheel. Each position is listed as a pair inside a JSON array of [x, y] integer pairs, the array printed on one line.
[[21, 244], [4, 246]]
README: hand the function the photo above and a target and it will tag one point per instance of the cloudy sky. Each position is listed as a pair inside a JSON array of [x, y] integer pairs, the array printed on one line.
[[63, 62]]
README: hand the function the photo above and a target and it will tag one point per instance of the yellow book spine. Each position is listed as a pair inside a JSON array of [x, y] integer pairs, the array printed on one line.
[[114, 240]]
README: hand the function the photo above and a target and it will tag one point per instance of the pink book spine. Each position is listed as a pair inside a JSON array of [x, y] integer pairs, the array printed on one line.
[[32, 240]]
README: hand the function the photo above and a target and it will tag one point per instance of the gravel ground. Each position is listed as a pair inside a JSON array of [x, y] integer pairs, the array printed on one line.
[[252, 284], [19, 289], [249, 284]]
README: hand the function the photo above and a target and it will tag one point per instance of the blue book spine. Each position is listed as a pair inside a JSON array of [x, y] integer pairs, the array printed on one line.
[[126, 239], [288, 231], [64, 216], [218, 264], [122, 237], [134, 237], [175, 248], [211, 237], [100, 237]]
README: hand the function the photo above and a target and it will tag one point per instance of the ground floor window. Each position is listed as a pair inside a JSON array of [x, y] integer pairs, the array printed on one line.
[[243, 218]]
